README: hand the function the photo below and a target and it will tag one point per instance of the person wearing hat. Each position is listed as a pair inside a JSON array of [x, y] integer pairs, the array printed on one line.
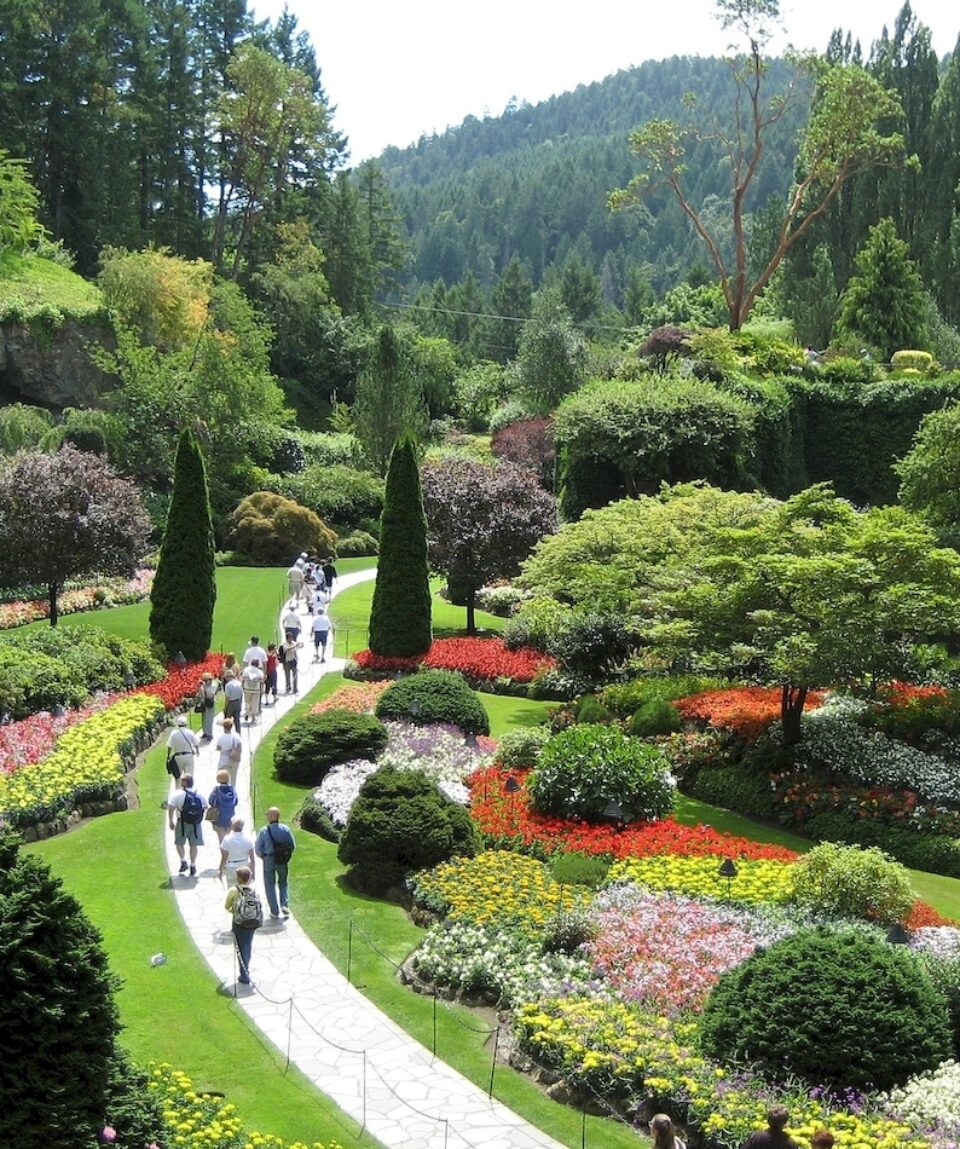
[[182, 748], [207, 693]]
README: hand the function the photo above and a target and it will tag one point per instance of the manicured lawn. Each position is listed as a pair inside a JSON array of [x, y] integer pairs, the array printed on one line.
[[351, 617], [115, 866], [506, 713]]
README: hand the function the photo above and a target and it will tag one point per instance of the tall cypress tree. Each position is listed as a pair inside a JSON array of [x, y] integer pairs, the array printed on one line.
[[400, 616], [184, 588]]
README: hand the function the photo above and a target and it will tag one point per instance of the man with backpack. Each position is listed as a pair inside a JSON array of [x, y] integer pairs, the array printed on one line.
[[185, 811], [275, 846], [246, 915]]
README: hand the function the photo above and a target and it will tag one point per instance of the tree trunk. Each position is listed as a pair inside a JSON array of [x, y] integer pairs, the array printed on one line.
[[792, 699], [471, 601], [53, 593]]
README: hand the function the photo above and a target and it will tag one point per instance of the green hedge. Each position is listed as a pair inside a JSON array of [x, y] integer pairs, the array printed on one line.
[[312, 743], [934, 853]]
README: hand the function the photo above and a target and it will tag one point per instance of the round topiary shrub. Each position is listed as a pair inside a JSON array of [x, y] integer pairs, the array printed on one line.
[[399, 823], [357, 545], [837, 1008], [434, 696], [520, 748], [583, 769], [312, 743], [658, 716], [850, 882], [269, 528]]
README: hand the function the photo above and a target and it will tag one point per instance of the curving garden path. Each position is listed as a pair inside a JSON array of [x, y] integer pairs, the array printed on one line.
[[354, 1053]]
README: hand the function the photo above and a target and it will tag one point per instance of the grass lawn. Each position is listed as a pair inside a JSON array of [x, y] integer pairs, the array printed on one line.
[[116, 867], [325, 906], [351, 617]]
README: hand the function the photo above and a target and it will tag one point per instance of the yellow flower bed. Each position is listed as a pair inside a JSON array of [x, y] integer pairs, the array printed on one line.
[[756, 881], [193, 1119], [619, 1051], [497, 887], [86, 765]]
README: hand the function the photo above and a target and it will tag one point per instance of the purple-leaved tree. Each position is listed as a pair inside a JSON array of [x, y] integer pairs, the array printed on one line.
[[482, 522], [67, 515]]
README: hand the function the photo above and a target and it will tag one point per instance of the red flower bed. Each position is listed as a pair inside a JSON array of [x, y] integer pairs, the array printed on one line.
[[903, 693], [181, 682], [922, 915], [507, 818], [477, 658], [744, 710], [33, 739]]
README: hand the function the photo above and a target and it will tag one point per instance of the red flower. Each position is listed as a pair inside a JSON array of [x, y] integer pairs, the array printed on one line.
[[745, 710], [481, 659]]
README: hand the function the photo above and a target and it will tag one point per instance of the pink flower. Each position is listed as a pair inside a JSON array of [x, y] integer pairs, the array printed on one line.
[[108, 1133]]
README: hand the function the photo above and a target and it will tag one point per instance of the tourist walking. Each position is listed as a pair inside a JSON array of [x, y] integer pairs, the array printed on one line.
[[329, 574], [289, 656], [252, 690], [274, 847], [230, 748], [254, 651], [774, 1136], [185, 811], [183, 746], [236, 850], [270, 672], [295, 582], [663, 1133], [321, 633], [223, 803], [233, 702], [206, 700], [246, 915], [291, 623], [231, 668]]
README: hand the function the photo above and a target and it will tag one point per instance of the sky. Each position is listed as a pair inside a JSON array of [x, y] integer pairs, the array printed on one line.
[[396, 71]]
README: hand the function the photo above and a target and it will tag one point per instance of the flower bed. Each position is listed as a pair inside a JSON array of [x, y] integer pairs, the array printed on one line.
[[757, 881], [88, 764], [480, 660], [506, 819], [747, 711], [108, 592], [193, 1118], [33, 738], [181, 682], [360, 697]]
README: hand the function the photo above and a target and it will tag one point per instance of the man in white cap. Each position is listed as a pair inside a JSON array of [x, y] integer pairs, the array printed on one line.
[[183, 746]]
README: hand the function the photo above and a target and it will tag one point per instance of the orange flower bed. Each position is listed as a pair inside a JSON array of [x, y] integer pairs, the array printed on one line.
[[360, 697], [744, 710]]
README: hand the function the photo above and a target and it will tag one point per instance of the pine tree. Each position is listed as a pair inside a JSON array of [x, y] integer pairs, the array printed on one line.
[[184, 588], [400, 616], [62, 1077], [884, 303]]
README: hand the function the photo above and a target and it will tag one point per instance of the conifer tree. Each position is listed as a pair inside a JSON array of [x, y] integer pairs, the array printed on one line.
[[400, 616], [62, 1076], [184, 588]]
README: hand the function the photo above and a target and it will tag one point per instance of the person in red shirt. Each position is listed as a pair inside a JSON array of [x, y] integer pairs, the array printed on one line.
[[270, 680]]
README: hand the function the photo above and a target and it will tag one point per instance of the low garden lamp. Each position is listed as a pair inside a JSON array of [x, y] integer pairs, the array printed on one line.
[[613, 812], [129, 680], [471, 740], [511, 786], [59, 710], [180, 658], [897, 935], [728, 870], [415, 707]]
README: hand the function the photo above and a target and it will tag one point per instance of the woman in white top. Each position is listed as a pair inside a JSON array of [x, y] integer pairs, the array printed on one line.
[[252, 680]]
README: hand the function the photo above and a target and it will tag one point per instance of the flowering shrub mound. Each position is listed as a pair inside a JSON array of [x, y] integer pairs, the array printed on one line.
[[845, 881], [668, 951], [506, 819], [747, 711], [480, 659], [434, 696], [497, 888], [581, 771], [757, 881], [839, 1008]]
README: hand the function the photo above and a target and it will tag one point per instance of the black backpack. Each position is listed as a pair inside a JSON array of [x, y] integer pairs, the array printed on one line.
[[247, 910], [191, 812], [282, 850]]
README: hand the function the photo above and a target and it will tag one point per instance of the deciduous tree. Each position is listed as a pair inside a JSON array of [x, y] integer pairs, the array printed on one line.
[[482, 522], [67, 515]]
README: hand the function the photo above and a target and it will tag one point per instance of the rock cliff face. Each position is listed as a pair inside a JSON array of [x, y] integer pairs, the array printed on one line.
[[52, 367]]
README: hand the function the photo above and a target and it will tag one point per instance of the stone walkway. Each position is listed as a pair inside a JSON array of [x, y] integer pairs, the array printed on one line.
[[389, 1083]]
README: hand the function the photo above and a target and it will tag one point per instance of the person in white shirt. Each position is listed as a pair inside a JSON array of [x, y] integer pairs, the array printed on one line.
[[236, 850], [295, 582], [183, 746], [321, 633], [255, 651], [291, 623], [230, 748], [233, 706], [252, 681]]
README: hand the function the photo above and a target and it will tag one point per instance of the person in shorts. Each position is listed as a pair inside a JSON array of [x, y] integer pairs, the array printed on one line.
[[186, 835]]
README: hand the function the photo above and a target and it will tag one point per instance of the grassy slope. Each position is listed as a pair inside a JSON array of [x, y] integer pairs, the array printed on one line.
[[40, 282]]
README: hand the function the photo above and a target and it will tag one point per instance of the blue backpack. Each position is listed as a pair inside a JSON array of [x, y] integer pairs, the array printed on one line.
[[191, 812]]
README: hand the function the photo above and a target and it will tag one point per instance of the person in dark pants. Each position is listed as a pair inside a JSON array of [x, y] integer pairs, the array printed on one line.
[[244, 907], [275, 846]]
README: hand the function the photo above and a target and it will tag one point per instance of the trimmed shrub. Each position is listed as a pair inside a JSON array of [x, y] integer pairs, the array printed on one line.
[[590, 642], [837, 1008], [400, 615], [655, 717], [735, 787], [312, 743], [520, 748], [357, 545], [625, 698], [590, 709], [934, 853], [508, 413], [576, 869], [28, 685], [400, 823], [270, 528], [434, 696], [184, 590], [850, 882], [583, 769], [314, 818], [921, 361]]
